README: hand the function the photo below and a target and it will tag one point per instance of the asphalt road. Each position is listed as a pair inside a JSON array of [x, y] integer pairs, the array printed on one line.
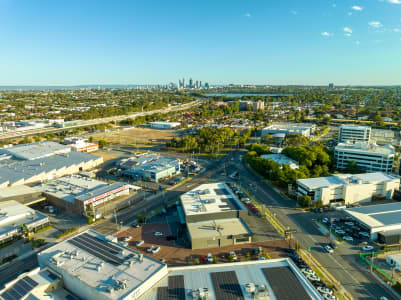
[[341, 264]]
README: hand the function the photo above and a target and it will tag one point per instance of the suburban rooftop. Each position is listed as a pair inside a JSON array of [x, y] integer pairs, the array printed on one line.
[[366, 147]]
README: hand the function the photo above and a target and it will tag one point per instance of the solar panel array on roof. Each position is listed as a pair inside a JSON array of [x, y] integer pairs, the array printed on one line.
[[98, 248], [175, 289], [20, 289], [284, 283], [226, 286], [221, 192]]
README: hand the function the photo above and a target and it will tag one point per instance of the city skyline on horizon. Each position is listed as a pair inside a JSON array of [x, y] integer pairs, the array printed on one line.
[[133, 43]]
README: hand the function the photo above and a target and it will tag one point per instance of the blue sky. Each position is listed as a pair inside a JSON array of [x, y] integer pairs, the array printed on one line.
[[221, 41]]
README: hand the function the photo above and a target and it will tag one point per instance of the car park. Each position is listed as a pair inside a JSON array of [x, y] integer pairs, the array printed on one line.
[[138, 243], [325, 290], [328, 249], [157, 233], [367, 248]]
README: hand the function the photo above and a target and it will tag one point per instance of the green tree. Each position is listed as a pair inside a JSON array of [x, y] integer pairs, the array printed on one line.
[[305, 201], [102, 144]]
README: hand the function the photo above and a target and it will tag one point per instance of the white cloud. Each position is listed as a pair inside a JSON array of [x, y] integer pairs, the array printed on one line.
[[357, 43], [350, 13], [334, 5], [325, 33], [394, 1], [357, 8], [248, 15], [375, 24], [397, 30], [294, 12], [348, 30]]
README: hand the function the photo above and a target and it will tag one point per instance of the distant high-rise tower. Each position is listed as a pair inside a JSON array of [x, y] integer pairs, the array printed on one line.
[[206, 85], [183, 83], [191, 83], [331, 85], [200, 83]]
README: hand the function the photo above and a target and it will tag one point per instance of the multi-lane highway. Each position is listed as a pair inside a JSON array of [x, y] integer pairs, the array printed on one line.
[[33, 132]]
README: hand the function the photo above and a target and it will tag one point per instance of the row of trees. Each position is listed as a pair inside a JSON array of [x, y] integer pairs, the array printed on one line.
[[210, 140]]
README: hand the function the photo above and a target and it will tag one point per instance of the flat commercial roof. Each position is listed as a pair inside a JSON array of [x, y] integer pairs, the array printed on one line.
[[344, 179], [218, 228], [377, 215], [13, 214], [354, 127], [16, 191], [15, 171], [36, 150], [364, 147], [210, 198], [229, 280], [102, 265], [281, 159]]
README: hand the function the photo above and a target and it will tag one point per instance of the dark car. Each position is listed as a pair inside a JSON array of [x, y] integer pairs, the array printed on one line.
[[171, 238], [317, 283]]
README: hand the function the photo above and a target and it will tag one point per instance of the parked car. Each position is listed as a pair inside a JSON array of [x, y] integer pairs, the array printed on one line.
[[138, 243], [364, 234], [329, 297], [209, 257], [135, 225], [125, 244], [157, 233], [367, 248], [328, 249], [349, 223], [149, 249], [339, 231], [234, 256], [307, 271], [333, 245], [347, 238], [262, 258], [312, 277], [155, 250], [319, 283], [325, 220], [325, 290], [127, 238]]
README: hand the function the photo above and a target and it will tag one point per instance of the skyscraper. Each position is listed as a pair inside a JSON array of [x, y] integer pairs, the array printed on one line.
[[183, 83], [191, 83]]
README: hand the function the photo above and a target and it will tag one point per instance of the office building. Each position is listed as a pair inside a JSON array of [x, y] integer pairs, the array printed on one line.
[[39, 162], [281, 159], [349, 188], [80, 144], [304, 129], [214, 217], [368, 157], [258, 106], [16, 219], [81, 195], [353, 133]]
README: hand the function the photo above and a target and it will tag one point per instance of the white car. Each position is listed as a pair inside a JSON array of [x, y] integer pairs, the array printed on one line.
[[328, 249], [313, 277], [348, 238], [364, 233], [138, 243], [209, 257], [262, 258], [127, 239], [149, 250], [383, 298], [349, 223], [339, 231], [307, 271], [324, 290], [157, 233], [329, 297], [367, 248], [125, 244], [232, 253], [155, 250], [325, 220]]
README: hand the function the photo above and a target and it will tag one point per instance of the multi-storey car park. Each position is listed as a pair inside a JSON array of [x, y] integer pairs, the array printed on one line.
[[354, 133], [92, 266], [368, 157]]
